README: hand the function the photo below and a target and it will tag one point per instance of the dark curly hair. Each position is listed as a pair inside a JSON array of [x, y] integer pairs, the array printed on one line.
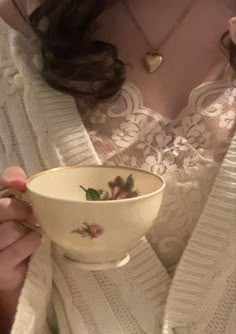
[[231, 47], [74, 62]]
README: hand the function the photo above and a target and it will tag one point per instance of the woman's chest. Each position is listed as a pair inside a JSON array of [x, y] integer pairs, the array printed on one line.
[[188, 40], [124, 131]]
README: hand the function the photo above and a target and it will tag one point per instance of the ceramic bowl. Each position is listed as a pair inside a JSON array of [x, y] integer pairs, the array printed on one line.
[[96, 234]]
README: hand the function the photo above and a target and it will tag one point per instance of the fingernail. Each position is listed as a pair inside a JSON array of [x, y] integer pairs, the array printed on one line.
[[18, 184]]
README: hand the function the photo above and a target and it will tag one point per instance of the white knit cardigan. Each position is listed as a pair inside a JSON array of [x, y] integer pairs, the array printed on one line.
[[41, 128]]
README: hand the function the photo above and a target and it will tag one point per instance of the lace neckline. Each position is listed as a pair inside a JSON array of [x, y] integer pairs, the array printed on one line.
[[195, 94]]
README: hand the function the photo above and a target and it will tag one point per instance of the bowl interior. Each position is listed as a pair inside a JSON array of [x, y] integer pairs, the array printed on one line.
[[64, 183]]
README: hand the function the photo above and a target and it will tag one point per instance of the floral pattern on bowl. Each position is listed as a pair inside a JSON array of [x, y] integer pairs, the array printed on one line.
[[92, 231], [119, 188]]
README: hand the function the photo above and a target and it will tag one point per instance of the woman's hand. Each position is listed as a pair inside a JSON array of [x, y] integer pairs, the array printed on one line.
[[17, 243]]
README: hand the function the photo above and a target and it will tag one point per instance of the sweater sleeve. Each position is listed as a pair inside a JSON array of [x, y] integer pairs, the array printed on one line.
[[34, 303], [203, 293]]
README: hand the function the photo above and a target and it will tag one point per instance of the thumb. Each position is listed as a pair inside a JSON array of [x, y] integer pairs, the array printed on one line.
[[13, 178]]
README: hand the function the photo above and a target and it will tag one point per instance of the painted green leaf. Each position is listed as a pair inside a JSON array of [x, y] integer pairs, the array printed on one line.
[[92, 195]]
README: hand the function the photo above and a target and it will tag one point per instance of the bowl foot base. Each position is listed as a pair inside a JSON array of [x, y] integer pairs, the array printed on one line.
[[99, 266]]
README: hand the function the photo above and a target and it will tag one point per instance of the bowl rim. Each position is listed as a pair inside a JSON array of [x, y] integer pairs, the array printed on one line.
[[56, 169]]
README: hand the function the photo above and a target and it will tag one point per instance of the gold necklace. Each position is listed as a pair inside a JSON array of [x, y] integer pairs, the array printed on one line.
[[153, 58]]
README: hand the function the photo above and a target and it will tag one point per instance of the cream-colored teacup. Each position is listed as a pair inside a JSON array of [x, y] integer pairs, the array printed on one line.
[[96, 234]]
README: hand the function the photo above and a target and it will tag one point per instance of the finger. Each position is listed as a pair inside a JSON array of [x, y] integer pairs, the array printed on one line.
[[32, 219], [13, 177], [10, 232], [12, 209], [19, 251], [13, 278]]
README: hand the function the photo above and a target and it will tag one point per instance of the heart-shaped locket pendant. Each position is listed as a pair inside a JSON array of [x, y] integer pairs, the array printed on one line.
[[153, 61]]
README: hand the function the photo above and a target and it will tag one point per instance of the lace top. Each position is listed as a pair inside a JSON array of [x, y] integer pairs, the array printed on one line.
[[186, 151]]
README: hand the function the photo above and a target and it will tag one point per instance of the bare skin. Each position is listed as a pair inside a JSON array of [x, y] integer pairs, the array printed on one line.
[[10, 15], [192, 54]]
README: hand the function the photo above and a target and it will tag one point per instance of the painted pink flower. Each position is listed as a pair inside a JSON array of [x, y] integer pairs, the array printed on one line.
[[95, 230], [92, 231]]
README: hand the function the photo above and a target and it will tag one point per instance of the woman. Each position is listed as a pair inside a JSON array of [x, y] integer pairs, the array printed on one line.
[[142, 122]]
